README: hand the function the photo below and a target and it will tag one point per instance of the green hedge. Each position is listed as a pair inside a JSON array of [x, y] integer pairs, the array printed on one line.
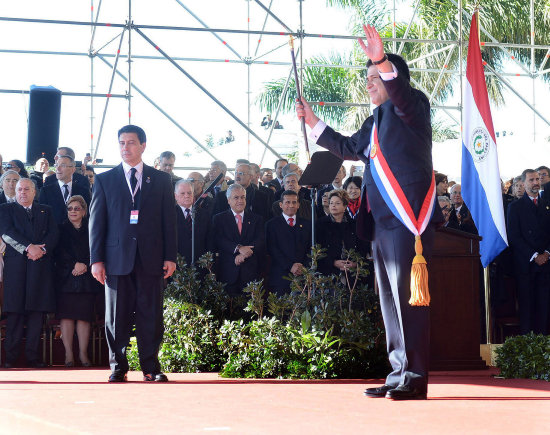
[[327, 327], [525, 356]]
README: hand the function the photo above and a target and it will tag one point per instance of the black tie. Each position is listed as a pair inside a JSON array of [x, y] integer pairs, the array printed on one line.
[[133, 179], [29, 212], [188, 220], [66, 192]]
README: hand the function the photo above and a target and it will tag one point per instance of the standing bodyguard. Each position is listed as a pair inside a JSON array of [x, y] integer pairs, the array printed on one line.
[[133, 248]]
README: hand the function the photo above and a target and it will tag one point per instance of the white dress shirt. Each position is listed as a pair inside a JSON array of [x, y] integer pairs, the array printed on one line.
[[139, 174], [70, 184]]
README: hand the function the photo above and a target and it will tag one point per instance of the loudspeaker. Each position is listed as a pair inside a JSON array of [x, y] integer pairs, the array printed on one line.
[[44, 120]]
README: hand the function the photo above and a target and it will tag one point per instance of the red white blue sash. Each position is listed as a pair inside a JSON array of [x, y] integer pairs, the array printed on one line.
[[393, 194]]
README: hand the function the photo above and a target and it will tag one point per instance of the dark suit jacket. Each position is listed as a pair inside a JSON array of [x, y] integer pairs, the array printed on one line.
[[528, 230], [286, 245], [257, 202], [28, 284], [51, 195], [405, 137], [226, 237], [202, 224], [466, 221], [335, 237], [3, 199], [116, 242], [275, 182], [82, 179]]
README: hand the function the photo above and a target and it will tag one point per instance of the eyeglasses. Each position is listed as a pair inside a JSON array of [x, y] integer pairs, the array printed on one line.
[[74, 208], [241, 173], [63, 166]]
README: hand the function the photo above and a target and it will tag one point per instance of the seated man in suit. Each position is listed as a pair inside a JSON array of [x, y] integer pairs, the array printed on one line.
[[8, 181], [288, 239], [56, 195], [460, 217], [167, 160], [529, 236], [290, 182], [30, 233], [256, 199], [277, 182], [237, 237], [184, 199], [67, 152]]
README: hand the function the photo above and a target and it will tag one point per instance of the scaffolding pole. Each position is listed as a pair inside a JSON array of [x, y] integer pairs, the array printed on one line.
[[108, 99], [202, 88], [206, 27], [156, 106]]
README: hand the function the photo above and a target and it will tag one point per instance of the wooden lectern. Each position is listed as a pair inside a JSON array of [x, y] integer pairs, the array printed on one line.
[[454, 276]]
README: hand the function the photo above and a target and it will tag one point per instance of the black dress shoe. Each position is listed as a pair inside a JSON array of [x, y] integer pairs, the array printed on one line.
[[118, 377], [37, 364], [378, 391], [405, 392], [155, 377]]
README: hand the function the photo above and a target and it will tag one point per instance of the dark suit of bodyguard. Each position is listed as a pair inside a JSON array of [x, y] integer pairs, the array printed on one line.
[[402, 119], [133, 245]]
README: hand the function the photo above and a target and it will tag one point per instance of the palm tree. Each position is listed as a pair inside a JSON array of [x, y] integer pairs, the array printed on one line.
[[506, 20]]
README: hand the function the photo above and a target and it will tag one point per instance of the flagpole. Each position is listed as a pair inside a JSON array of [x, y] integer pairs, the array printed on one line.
[[488, 328]]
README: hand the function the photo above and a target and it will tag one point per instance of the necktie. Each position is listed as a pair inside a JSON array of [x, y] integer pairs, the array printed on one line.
[[187, 214], [29, 212], [239, 222], [133, 179], [65, 192], [291, 221], [535, 201]]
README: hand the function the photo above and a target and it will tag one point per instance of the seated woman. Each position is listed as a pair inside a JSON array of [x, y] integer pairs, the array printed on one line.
[[336, 233], [76, 287], [353, 187]]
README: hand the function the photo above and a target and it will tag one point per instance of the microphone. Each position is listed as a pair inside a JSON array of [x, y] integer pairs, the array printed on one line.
[[207, 191]]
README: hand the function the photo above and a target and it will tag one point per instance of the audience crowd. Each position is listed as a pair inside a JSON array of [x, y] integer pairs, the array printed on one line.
[[258, 225]]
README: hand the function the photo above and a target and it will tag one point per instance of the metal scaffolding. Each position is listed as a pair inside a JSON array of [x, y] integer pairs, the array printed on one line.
[[130, 30]]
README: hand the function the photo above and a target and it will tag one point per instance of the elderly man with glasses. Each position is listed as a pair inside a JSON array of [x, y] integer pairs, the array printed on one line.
[[57, 194]]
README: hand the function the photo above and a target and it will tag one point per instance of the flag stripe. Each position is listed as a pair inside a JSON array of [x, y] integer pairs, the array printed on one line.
[[476, 77]]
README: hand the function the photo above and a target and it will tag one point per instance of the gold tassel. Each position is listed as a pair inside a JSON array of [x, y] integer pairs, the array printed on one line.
[[420, 294]]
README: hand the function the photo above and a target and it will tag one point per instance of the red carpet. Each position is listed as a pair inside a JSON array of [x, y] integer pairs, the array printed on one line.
[[59, 401]]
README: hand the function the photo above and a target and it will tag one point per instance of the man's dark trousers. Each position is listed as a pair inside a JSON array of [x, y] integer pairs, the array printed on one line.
[[33, 321], [393, 252], [141, 293]]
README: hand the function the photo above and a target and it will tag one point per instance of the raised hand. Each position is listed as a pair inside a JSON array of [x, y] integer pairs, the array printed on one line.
[[375, 47]]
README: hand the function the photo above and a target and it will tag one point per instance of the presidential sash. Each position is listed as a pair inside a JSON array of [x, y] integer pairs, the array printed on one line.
[[395, 199]]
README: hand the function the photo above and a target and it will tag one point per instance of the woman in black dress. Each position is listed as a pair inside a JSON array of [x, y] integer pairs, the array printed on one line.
[[76, 287], [336, 233]]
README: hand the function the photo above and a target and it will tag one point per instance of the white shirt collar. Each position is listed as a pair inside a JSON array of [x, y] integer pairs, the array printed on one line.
[[235, 214], [127, 167], [62, 183], [288, 217]]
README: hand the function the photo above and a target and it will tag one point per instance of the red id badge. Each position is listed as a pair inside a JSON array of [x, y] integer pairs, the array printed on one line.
[[134, 216]]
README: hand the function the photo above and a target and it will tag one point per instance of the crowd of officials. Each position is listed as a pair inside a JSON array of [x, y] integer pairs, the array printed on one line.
[[257, 224]]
